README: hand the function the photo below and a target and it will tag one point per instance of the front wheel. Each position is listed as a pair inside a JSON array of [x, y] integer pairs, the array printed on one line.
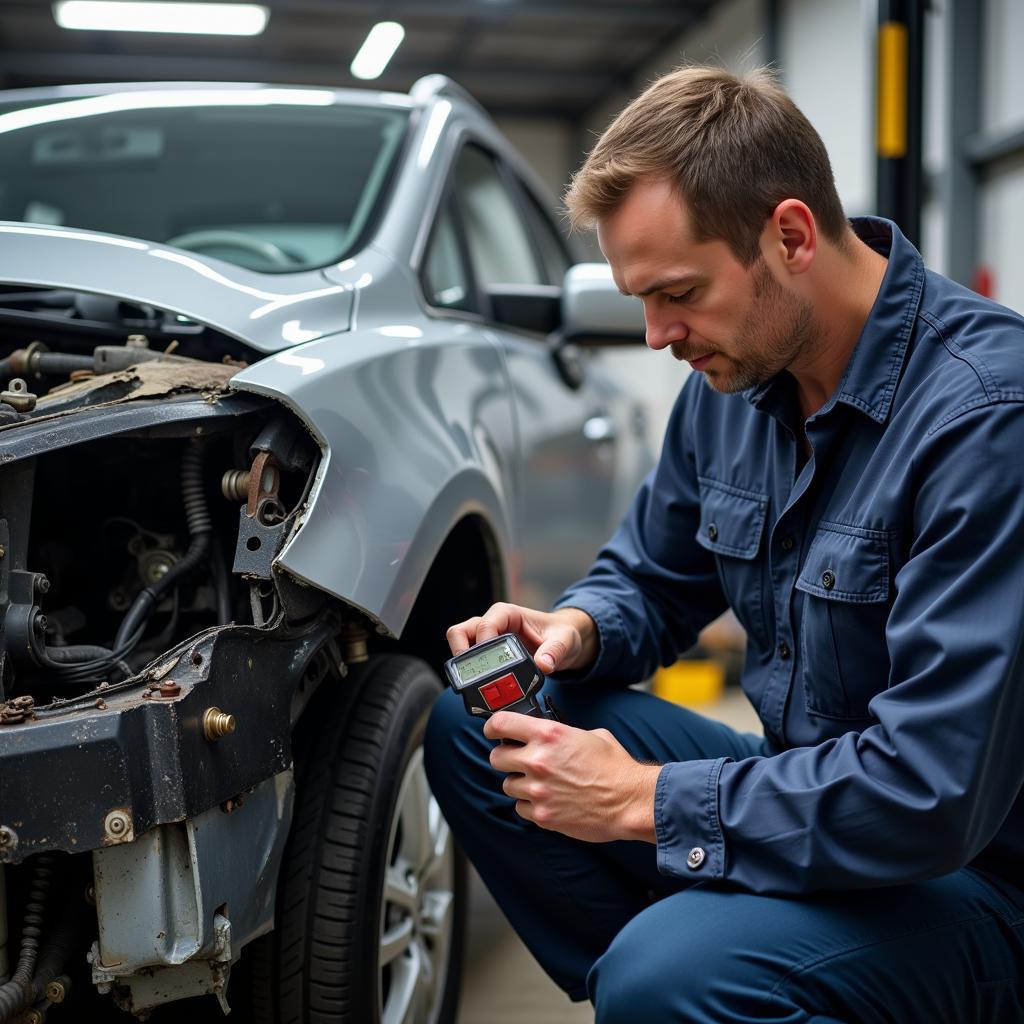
[[372, 890]]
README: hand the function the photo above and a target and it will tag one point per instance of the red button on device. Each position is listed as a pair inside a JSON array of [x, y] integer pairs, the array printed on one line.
[[502, 692]]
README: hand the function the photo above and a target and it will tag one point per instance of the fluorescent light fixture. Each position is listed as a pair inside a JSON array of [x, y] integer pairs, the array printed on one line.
[[192, 18], [378, 48]]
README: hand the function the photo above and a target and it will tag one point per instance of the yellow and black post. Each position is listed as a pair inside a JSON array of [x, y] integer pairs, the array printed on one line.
[[899, 87]]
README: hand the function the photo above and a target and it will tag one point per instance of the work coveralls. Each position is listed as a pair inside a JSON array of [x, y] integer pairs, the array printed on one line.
[[864, 861]]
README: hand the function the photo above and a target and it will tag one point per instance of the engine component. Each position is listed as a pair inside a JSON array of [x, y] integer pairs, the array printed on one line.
[[15, 995], [18, 396], [235, 484], [163, 901], [217, 723], [200, 528]]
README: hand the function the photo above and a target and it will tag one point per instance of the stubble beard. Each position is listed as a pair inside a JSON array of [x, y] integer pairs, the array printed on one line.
[[778, 330]]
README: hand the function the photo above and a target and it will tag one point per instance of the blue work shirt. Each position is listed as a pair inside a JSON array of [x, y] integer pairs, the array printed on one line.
[[881, 585]]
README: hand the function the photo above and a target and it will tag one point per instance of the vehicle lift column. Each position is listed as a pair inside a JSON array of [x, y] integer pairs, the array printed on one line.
[[899, 92]]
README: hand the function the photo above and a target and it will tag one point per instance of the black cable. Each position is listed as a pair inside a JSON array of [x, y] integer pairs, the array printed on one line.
[[14, 995], [200, 528]]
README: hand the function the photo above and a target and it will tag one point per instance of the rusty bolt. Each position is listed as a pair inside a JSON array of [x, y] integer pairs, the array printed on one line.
[[3, 551], [169, 688], [117, 824], [33, 1017], [217, 723], [56, 992], [101, 704], [16, 710]]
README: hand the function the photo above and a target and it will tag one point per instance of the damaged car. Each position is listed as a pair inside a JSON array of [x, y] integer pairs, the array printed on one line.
[[290, 380]]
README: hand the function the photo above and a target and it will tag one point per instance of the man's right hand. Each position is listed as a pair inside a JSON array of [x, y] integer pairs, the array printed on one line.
[[559, 641]]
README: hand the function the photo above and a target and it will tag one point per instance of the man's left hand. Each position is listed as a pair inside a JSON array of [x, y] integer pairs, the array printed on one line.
[[582, 783]]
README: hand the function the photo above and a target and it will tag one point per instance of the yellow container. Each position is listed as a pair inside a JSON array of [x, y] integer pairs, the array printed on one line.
[[690, 683]]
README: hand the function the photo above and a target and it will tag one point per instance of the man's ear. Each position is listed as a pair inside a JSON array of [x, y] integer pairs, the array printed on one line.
[[792, 236]]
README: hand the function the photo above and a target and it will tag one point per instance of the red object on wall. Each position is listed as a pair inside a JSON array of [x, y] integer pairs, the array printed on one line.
[[499, 693], [983, 281]]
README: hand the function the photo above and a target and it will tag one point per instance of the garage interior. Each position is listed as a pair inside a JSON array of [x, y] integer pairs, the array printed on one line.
[[552, 73]]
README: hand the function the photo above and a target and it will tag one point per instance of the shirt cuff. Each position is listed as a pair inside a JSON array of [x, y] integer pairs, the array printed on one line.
[[609, 633], [686, 824]]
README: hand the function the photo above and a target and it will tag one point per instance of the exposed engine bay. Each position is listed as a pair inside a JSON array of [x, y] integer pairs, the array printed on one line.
[[114, 548], [142, 505]]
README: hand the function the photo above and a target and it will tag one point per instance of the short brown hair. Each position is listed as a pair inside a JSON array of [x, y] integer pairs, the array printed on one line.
[[734, 147]]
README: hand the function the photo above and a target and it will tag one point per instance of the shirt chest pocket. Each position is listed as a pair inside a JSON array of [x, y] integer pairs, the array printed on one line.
[[732, 527], [847, 597]]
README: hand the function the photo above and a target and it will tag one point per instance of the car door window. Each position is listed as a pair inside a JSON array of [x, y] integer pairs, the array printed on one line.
[[444, 277], [500, 246], [549, 240]]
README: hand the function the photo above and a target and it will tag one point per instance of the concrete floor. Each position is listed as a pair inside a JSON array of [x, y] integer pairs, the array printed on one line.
[[503, 983]]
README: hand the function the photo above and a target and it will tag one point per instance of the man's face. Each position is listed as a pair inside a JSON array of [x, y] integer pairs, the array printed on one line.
[[737, 325]]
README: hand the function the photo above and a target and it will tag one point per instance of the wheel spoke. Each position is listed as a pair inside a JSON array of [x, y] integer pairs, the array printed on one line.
[[437, 914], [440, 860], [398, 890], [395, 941], [404, 992]]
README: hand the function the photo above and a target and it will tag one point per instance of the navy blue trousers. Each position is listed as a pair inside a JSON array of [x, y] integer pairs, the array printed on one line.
[[604, 923]]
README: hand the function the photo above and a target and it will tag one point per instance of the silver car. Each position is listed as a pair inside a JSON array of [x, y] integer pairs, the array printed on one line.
[[291, 380]]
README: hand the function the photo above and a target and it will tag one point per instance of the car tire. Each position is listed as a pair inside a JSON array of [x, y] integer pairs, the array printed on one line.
[[372, 891]]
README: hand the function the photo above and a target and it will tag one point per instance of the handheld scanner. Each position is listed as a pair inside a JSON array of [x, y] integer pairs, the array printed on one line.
[[496, 675]]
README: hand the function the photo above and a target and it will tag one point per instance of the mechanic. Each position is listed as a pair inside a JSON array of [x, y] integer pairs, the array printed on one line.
[[844, 471]]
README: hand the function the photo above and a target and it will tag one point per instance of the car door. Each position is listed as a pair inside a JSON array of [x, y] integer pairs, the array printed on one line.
[[567, 432]]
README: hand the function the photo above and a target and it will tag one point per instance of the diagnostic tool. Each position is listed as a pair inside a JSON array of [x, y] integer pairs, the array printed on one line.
[[498, 675]]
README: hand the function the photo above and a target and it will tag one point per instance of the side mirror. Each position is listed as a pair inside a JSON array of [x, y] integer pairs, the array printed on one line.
[[595, 312]]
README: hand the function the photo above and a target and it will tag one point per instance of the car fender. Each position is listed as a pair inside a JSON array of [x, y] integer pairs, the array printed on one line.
[[416, 428]]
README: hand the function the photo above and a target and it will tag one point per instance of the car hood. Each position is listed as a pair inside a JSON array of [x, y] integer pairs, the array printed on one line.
[[269, 312]]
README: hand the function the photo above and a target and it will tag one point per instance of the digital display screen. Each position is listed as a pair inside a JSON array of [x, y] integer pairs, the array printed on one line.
[[476, 665]]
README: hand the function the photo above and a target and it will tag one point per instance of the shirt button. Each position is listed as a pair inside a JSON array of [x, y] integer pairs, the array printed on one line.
[[828, 579], [784, 650], [787, 543], [695, 858], [712, 531]]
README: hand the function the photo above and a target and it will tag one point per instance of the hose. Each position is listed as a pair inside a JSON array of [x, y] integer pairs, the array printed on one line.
[[200, 528], [82, 654], [16, 994]]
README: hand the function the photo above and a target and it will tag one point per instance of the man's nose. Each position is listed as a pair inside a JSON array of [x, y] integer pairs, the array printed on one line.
[[662, 330]]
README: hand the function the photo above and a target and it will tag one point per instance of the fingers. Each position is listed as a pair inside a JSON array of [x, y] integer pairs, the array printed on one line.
[[462, 636], [509, 725], [499, 618]]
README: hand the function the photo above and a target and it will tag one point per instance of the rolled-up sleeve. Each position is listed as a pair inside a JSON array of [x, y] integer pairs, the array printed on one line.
[[922, 790]]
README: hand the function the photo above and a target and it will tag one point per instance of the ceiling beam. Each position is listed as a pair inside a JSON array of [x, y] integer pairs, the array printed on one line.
[[68, 67], [658, 12]]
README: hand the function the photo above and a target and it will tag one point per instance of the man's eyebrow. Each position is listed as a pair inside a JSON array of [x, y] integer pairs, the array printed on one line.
[[659, 286]]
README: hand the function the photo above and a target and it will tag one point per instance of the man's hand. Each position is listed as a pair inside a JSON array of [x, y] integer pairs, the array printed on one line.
[[583, 784], [559, 640]]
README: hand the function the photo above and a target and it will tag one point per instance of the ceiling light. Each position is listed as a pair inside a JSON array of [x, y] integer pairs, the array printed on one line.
[[377, 49], [193, 18]]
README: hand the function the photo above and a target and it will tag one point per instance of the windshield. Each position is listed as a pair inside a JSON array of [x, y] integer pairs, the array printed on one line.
[[274, 180]]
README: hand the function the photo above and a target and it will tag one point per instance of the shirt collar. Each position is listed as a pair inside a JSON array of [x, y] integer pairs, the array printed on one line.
[[869, 381]]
